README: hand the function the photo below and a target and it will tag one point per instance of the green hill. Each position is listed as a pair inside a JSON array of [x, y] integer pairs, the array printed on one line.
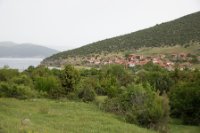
[[180, 31]]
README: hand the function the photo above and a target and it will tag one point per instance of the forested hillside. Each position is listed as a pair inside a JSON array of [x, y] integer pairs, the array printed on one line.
[[179, 31]]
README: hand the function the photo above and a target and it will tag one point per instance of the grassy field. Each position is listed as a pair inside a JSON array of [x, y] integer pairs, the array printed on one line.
[[184, 129], [194, 49], [49, 116], [177, 127]]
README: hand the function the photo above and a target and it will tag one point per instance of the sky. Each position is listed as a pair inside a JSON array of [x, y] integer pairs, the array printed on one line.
[[68, 24]]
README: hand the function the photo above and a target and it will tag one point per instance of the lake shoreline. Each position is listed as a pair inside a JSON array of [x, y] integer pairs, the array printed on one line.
[[20, 63]]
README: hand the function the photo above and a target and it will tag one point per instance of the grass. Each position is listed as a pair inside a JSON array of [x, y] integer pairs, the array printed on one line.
[[184, 129], [177, 127], [169, 50], [49, 116]]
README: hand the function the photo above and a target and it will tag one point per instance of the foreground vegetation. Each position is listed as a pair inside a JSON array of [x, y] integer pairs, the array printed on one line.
[[61, 116], [146, 96], [50, 116]]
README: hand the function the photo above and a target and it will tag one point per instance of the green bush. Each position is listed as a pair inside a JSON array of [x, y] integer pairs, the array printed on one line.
[[7, 74], [99, 90], [185, 102], [86, 94], [156, 76], [113, 105], [110, 86], [119, 73], [69, 78], [23, 80], [142, 106], [85, 90], [16, 91], [51, 85]]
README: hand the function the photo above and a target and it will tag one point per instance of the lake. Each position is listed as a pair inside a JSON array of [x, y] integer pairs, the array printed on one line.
[[19, 63]]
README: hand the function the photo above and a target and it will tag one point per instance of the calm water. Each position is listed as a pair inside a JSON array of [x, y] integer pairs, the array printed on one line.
[[20, 63]]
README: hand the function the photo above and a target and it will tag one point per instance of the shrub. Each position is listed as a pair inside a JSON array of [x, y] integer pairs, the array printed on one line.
[[49, 84], [86, 94], [122, 76], [16, 91], [99, 90], [23, 80], [185, 101], [142, 106], [113, 105], [70, 77], [85, 90], [7, 74], [110, 86], [160, 80]]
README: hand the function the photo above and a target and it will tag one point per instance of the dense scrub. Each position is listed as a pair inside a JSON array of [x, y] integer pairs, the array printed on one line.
[[141, 95], [141, 105], [185, 97]]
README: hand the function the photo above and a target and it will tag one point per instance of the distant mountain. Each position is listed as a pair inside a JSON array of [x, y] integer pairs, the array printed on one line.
[[25, 50], [7, 44], [180, 31]]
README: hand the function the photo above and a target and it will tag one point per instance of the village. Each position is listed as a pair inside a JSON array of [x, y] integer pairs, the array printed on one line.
[[170, 61]]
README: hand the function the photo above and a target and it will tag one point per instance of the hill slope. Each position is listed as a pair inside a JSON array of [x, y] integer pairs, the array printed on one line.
[[48, 116], [179, 31], [10, 49]]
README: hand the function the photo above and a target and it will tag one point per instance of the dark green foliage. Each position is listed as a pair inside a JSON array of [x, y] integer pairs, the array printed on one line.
[[86, 89], [139, 96], [40, 71], [70, 77], [51, 85], [7, 74], [22, 79], [185, 102], [180, 31], [156, 76], [141, 105], [28, 83], [86, 94], [113, 77], [89, 72], [185, 76], [110, 86], [16, 91], [160, 81], [122, 75]]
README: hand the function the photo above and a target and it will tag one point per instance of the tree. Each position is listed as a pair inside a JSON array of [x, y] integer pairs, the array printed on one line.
[[185, 101], [141, 105], [69, 77], [51, 85], [86, 90]]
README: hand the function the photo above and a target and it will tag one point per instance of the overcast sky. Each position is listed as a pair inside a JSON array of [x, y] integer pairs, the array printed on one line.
[[67, 24]]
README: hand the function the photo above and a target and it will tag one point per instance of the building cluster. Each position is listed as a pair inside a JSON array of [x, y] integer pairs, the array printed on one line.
[[134, 59]]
